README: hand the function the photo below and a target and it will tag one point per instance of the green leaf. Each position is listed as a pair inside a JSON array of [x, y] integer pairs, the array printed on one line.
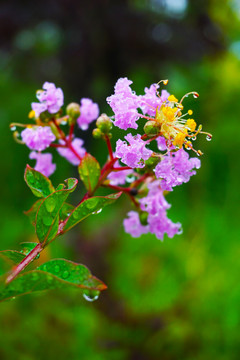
[[32, 212], [40, 185], [87, 208], [27, 247], [89, 171], [9, 258], [65, 211], [47, 219], [55, 274]]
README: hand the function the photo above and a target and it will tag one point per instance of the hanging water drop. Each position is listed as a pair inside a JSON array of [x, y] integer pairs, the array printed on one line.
[[208, 137], [130, 179], [194, 138], [13, 128], [91, 295]]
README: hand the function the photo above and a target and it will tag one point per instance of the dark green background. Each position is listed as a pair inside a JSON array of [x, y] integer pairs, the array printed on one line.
[[177, 299]]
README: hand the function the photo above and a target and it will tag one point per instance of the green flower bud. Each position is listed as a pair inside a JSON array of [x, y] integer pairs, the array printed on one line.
[[151, 128], [152, 161], [73, 110], [54, 130], [104, 123], [143, 217], [96, 134]]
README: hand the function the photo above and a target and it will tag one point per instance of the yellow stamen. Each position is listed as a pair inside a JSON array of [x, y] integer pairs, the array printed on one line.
[[172, 98], [190, 112], [179, 139], [31, 114], [191, 124]]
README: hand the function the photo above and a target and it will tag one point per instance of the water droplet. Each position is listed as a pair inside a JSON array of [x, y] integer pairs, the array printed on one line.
[[56, 268], [50, 204], [208, 137], [180, 231], [91, 203], [91, 295], [194, 138], [97, 212], [64, 123], [47, 220], [13, 128], [130, 179], [65, 274], [195, 96]]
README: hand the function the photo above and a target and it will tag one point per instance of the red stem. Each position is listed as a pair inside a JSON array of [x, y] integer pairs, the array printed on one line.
[[24, 263], [109, 147], [121, 168], [118, 188]]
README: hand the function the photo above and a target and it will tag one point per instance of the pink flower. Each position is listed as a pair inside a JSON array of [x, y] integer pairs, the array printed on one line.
[[51, 99], [89, 112], [175, 169], [134, 153], [124, 103], [69, 155], [133, 226], [151, 100], [119, 177], [38, 137], [156, 206], [44, 163]]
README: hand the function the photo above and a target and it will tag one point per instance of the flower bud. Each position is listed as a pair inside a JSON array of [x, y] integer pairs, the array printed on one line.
[[152, 161], [104, 123], [55, 130], [151, 128], [73, 110], [97, 133], [143, 217]]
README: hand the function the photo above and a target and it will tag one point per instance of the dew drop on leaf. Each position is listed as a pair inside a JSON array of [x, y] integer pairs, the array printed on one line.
[[50, 204]]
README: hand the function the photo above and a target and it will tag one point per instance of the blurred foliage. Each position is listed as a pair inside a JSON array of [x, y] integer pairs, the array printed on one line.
[[173, 300]]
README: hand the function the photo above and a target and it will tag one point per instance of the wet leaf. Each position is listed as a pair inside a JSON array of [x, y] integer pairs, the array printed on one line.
[[55, 274], [47, 219], [9, 258], [87, 208], [89, 171], [32, 212], [40, 185]]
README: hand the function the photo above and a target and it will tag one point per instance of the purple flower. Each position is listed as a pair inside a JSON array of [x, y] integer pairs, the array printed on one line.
[[119, 177], [44, 163], [134, 153], [38, 137], [124, 103], [89, 112], [175, 169], [156, 206], [69, 154], [151, 100], [51, 99], [133, 226]]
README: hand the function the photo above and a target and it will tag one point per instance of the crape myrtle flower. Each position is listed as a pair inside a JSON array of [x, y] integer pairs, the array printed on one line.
[[37, 137], [133, 226], [150, 101], [119, 177], [51, 99], [68, 154], [156, 206], [124, 103], [134, 153], [44, 163], [176, 168], [89, 111]]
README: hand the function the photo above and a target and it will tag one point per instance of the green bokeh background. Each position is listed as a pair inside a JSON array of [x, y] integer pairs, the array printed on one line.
[[176, 299]]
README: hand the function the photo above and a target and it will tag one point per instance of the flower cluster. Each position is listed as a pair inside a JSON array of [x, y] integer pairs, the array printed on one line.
[[144, 165]]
